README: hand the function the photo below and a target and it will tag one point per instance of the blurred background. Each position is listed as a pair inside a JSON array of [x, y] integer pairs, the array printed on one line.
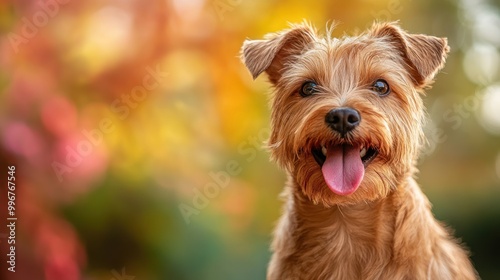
[[136, 132]]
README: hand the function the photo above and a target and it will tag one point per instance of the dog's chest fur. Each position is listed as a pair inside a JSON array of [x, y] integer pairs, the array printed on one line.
[[313, 242]]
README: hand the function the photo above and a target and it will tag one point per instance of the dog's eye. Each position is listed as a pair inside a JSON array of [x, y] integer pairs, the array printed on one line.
[[381, 87], [308, 89]]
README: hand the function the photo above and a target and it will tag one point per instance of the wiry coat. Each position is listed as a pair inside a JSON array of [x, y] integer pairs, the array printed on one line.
[[385, 229]]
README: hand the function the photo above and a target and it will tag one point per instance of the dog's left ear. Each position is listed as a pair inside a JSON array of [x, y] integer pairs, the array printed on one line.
[[276, 50], [424, 55]]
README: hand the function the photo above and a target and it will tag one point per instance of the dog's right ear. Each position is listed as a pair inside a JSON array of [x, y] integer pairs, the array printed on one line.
[[273, 52]]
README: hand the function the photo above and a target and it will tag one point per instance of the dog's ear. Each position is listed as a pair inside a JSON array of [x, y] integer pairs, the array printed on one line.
[[424, 55], [273, 52]]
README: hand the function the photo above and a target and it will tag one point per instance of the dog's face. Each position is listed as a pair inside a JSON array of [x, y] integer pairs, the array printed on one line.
[[347, 114]]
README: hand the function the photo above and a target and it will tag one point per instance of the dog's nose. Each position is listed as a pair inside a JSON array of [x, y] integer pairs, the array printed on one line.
[[343, 120]]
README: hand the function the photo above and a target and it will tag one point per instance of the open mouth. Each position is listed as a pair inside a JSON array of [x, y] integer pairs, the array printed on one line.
[[343, 166], [366, 154]]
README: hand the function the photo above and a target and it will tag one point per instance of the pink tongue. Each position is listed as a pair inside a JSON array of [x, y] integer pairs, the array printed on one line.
[[343, 169]]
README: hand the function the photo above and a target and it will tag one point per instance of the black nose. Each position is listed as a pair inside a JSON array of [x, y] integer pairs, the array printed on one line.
[[343, 120]]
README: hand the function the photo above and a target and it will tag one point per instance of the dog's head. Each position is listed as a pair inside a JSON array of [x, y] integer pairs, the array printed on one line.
[[347, 114]]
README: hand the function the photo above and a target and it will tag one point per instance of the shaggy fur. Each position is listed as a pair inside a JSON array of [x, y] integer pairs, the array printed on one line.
[[385, 229]]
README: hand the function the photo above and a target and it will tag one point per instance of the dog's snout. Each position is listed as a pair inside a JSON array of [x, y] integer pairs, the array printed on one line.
[[343, 119]]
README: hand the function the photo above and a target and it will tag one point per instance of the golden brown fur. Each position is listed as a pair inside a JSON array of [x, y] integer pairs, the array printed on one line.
[[385, 229]]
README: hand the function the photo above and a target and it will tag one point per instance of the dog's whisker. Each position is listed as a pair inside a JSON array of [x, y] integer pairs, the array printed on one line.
[[340, 210]]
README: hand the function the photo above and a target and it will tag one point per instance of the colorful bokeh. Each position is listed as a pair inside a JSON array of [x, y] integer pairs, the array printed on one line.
[[137, 133]]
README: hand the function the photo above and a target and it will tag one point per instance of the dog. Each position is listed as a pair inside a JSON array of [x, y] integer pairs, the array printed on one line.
[[347, 120]]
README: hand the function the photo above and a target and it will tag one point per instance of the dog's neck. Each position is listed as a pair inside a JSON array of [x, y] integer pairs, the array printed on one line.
[[370, 222], [363, 228]]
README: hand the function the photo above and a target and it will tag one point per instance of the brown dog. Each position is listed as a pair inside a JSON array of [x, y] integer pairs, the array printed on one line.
[[347, 119]]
